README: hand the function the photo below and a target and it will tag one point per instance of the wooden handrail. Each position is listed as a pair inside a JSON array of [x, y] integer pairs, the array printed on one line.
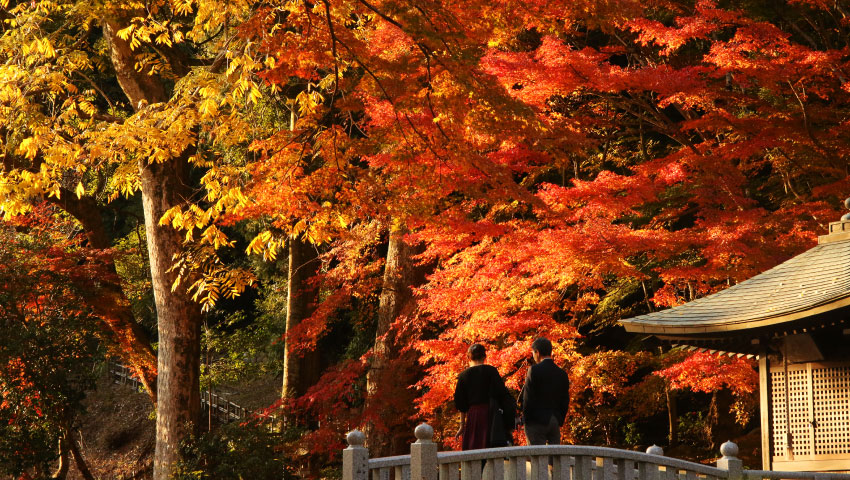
[[223, 409]]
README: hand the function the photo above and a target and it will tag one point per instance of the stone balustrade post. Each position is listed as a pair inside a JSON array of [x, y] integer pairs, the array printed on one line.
[[730, 461], [650, 470], [423, 454], [355, 458]]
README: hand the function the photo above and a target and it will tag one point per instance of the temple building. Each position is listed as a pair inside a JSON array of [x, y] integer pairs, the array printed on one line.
[[795, 318]]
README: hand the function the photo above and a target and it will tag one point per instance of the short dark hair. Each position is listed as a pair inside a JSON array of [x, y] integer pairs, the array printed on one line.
[[542, 345], [477, 352]]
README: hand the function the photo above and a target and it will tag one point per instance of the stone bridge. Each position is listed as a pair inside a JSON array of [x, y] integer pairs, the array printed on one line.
[[547, 462]]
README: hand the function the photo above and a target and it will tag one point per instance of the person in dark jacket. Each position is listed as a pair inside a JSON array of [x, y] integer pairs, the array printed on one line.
[[475, 387], [545, 396]]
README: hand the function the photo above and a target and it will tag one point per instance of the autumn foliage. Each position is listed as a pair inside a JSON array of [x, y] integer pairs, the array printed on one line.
[[706, 373], [555, 166], [49, 338]]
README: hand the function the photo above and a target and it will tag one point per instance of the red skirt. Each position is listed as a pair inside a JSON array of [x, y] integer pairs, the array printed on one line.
[[476, 432]]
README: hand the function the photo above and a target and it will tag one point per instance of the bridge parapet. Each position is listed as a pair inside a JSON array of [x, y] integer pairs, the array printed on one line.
[[547, 462]]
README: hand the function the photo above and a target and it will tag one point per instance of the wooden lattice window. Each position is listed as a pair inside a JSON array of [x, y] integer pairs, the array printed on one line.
[[831, 388], [818, 399]]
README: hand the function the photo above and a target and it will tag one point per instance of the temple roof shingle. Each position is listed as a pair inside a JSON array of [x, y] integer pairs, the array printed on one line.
[[813, 283]]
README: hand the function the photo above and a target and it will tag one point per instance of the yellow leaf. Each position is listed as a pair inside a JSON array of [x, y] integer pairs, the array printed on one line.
[[28, 147], [80, 190], [258, 244], [169, 215], [125, 33], [254, 94], [207, 91], [299, 228], [209, 107], [343, 222], [184, 8], [88, 108], [47, 48], [215, 237], [163, 39]]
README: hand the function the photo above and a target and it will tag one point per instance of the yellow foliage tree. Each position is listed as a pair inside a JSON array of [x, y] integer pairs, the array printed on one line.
[[104, 99]]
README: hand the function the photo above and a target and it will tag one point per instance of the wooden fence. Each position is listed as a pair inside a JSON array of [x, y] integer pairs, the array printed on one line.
[[223, 410]]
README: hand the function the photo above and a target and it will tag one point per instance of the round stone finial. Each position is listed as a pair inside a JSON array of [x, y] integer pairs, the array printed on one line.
[[355, 438], [847, 203], [424, 433], [729, 449], [655, 450]]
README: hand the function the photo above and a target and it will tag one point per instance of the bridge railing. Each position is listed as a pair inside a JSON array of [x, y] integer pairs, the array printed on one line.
[[223, 409], [547, 462]]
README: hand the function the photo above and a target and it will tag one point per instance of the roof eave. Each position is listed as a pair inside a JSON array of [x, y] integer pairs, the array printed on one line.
[[714, 328]]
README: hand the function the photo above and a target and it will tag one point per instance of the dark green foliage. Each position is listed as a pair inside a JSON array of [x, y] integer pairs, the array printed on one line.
[[234, 452]]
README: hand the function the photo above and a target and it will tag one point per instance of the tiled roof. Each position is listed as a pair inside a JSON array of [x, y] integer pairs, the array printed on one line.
[[813, 282]]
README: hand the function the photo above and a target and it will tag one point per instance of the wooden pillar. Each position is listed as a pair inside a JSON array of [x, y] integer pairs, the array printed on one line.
[[765, 409]]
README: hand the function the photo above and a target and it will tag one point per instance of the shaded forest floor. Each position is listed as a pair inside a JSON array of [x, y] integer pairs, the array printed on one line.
[[117, 432]]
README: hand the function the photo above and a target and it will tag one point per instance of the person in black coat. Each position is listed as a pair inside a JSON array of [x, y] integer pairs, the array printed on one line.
[[545, 396], [479, 393]]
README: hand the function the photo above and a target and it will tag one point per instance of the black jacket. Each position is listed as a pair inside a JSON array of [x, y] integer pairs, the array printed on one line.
[[476, 385], [546, 393]]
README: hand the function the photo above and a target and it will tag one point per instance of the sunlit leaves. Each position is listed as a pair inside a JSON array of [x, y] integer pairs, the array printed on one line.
[[704, 372], [29, 147], [543, 154]]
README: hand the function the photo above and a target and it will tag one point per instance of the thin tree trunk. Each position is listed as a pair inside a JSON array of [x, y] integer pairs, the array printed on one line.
[[711, 420], [164, 185], [721, 421], [78, 458], [300, 369], [62, 470], [209, 393], [395, 294], [672, 416]]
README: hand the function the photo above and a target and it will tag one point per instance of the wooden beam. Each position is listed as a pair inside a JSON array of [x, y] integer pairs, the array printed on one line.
[[765, 410]]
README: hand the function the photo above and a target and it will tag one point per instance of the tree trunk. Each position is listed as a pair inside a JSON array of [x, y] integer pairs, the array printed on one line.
[[396, 293], [720, 422], [672, 416], [110, 304], [300, 369], [62, 470], [107, 299], [78, 458], [400, 275], [178, 317], [164, 185]]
